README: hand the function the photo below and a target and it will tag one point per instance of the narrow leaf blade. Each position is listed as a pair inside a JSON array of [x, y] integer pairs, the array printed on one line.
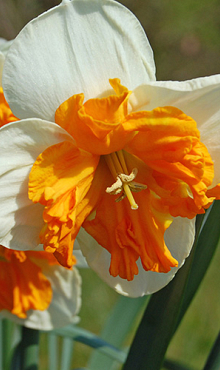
[[167, 307], [91, 340], [213, 362]]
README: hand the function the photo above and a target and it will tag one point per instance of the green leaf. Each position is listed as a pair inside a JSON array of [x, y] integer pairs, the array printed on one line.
[[117, 328], [158, 324], [10, 336], [91, 340], [16, 358], [26, 354], [167, 307], [213, 362], [6, 343], [173, 365], [206, 246]]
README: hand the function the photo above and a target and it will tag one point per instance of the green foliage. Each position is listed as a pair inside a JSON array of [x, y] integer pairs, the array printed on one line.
[[167, 307], [213, 362]]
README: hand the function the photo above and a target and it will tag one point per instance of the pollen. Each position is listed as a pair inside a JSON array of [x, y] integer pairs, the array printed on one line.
[[124, 184]]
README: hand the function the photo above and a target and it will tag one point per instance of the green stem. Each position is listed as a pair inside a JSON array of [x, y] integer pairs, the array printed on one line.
[[29, 349], [53, 351], [6, 335]]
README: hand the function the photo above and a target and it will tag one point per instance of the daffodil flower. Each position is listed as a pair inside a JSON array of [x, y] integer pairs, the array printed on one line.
[[36, 291], [103, 151]]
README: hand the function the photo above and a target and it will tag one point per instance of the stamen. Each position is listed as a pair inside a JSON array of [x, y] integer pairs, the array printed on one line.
[[111, 166], [124, 182], [122, 160], [116, 162]]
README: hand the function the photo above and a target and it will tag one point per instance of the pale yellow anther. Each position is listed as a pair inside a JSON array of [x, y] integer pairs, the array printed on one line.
[[128, 178], [116, 188]]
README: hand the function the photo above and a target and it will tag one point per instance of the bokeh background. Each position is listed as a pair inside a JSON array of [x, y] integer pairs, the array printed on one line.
[[185, 37]]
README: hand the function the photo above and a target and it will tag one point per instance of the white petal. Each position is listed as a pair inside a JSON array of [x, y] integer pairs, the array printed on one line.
[[5, 45], [2, 41], [21, 143], [198, 98], [179, 238], [81, 261], [74, 48], [65, 304]]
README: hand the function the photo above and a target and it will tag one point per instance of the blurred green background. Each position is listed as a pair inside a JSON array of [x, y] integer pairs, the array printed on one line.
[[185, 37]]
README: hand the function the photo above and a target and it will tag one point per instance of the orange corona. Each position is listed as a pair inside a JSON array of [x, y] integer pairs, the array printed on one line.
[[114, 153]]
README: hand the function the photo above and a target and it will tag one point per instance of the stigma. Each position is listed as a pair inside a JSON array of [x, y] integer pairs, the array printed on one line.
[[124, 182]]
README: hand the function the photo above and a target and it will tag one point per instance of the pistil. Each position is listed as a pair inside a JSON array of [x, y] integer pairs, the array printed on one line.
[[130, 196]]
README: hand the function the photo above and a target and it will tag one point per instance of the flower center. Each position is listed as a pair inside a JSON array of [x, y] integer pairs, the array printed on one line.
[[124, 183]]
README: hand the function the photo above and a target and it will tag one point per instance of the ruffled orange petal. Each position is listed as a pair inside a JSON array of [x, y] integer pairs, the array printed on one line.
[[96, 124], [129, 235], [214, 192], [60, 179], [84, 210], [23, 285], [180, 164], [160, 123], [6, 114]]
